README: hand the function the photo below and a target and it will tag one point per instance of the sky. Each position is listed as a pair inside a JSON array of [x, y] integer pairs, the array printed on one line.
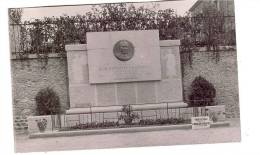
[[180, 6]]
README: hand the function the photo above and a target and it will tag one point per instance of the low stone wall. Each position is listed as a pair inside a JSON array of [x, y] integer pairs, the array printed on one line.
[[29, 76], [20, 123]]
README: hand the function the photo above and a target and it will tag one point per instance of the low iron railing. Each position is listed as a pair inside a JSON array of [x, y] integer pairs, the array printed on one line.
[[90, 120]]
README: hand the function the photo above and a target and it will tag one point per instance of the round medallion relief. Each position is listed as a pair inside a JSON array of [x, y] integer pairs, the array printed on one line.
[[123, 50]]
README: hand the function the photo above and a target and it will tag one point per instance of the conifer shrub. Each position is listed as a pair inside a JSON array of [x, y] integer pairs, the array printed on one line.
[[47, 102], [202, 93]]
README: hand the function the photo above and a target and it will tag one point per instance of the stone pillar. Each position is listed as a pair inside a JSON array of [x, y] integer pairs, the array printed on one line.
[[81, 93], [170, 87]]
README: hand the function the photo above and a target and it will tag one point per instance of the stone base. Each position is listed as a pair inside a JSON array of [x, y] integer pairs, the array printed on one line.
[[45, 122], [121, 130], [118, 108]]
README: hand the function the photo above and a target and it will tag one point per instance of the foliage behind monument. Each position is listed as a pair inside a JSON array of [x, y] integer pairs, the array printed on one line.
[[50, 34]]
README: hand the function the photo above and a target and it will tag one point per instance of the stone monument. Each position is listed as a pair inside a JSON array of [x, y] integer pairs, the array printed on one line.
[[124, 67]]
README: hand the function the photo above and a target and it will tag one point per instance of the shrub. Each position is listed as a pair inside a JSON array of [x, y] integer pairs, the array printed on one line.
[[47, 102], [202, 93], [128, 115]]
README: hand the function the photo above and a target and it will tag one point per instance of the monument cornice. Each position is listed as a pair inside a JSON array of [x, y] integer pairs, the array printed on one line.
[[83, 47], [76, 47]]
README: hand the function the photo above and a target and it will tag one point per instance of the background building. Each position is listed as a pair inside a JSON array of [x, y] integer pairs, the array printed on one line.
[[225, 8]]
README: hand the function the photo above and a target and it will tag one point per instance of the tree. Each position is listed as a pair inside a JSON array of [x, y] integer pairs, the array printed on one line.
[[52, 33]]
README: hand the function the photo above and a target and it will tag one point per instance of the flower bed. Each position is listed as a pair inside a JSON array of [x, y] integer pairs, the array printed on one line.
[[141, 123]]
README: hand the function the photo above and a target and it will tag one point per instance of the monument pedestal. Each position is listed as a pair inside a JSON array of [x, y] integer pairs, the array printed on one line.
[[121, 68], [136, 107]]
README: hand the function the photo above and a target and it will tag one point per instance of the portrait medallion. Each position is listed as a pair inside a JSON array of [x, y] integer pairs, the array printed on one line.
[[123, 50]]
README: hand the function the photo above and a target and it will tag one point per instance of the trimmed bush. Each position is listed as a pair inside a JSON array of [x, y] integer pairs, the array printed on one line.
[[47, 102], [128, 115], [202, 93]]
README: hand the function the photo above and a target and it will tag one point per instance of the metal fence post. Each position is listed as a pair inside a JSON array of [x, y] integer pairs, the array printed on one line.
[[79, 118], [167, 110], [51, 122], [90, 115], [103, 117], [179, 112], [142, 114]]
